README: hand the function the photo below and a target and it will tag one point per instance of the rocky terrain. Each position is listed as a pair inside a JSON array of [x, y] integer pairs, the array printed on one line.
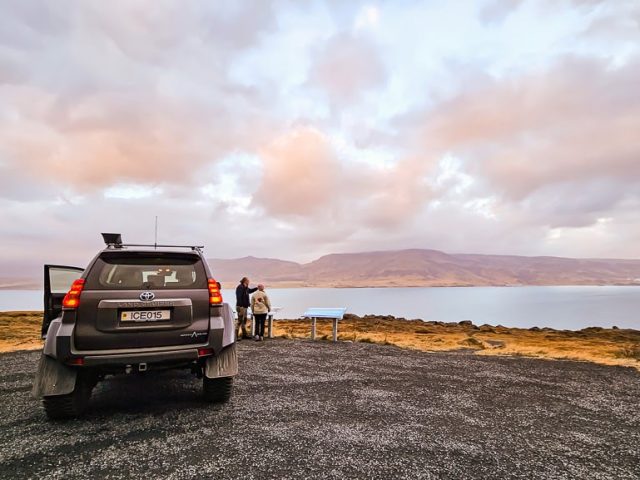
[[345, 410]]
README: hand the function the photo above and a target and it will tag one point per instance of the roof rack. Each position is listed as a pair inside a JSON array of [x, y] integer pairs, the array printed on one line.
[[153, 245], [114, 241]]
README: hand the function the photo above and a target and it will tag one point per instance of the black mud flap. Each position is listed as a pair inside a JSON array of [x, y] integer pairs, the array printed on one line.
[[225, 364], [53, 378]]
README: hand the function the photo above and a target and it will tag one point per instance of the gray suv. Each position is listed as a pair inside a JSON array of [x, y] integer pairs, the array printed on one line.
[[134, 309]]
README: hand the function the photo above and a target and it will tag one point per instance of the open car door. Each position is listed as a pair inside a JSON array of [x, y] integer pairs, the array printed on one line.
[[57, 281]]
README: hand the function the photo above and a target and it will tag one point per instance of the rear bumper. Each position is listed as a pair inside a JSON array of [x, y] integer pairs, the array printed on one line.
[[59, 345], [155, 358]]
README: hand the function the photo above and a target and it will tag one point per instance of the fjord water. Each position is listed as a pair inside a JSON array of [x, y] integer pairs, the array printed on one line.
[[570, 307]]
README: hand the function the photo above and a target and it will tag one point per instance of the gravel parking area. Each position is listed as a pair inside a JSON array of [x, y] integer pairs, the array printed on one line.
[[322, 410]]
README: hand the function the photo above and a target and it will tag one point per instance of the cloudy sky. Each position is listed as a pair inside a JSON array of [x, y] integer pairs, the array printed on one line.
[[293, 129]]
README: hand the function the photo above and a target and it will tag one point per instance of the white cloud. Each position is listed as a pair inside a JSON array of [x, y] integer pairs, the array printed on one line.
[[132, 191], [292, 130], [367, 17]]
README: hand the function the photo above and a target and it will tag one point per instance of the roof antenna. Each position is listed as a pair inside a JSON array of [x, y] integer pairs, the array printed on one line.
[[155, 243]]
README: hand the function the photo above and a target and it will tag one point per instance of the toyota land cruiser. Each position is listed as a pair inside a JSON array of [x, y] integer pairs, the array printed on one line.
[[135, 308]]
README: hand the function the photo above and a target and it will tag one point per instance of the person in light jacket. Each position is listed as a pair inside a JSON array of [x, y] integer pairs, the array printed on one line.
[[260, 306]]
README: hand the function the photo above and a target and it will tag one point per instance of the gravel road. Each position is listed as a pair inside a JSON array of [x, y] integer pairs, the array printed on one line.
[[319, 410]]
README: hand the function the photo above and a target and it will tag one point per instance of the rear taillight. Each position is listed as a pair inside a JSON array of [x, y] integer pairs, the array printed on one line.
[[72, 298], [205, 352], [215, 297]]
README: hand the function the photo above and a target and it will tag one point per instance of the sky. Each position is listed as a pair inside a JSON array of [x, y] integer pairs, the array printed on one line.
[[295, 129]]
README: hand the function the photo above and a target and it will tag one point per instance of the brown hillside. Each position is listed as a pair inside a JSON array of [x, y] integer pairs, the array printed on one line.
[[429, 268]]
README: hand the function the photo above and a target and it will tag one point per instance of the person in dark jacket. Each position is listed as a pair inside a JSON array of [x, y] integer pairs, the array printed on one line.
[[243, 301]]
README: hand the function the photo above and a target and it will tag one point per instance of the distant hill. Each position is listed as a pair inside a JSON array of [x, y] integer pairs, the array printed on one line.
[[418, 267], [20, 284], [259, 269]]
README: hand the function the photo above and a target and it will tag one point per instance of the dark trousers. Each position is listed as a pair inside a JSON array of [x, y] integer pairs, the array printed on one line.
[[260, 319]]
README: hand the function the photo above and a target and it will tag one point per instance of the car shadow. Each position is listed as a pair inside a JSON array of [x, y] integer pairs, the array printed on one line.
[[151, 392]]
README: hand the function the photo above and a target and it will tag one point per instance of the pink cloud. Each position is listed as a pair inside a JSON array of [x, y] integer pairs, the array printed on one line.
[[575, 122], [301, 174], [346, 66], [304, 176]]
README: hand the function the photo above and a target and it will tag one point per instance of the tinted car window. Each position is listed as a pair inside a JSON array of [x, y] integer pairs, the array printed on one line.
[[146, 271], [61, 279]]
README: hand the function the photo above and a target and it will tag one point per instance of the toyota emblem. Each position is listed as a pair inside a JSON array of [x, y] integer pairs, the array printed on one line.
[[147, 296]]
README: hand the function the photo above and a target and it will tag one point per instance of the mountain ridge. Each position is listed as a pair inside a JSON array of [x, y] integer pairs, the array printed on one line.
[[427, 267]]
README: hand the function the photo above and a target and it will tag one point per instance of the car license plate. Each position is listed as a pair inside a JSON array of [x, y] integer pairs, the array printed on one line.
[[145, 315]]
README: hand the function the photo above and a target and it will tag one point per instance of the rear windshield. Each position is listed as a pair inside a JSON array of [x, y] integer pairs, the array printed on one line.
[[151, 271]]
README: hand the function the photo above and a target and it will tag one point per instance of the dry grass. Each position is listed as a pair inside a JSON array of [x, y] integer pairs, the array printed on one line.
[[630, 351], [21, 331], [605, 346]]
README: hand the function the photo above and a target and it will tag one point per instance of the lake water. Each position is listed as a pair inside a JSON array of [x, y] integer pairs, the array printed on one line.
[[569, 308]]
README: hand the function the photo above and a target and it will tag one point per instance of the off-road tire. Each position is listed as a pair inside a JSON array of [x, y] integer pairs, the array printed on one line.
[[71, 405], [217, 390]]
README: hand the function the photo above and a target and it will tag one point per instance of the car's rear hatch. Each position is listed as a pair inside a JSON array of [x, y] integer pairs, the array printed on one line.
[[143, 299]]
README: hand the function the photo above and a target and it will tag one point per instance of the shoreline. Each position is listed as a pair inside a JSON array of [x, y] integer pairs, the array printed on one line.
[[20, 330]]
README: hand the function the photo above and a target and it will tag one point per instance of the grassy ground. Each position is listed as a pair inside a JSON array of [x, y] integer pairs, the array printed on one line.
[[21, 331], [605, 346]]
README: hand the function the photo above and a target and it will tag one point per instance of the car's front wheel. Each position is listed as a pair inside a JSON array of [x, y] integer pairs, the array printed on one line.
[[71, 405], [217, 390]]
